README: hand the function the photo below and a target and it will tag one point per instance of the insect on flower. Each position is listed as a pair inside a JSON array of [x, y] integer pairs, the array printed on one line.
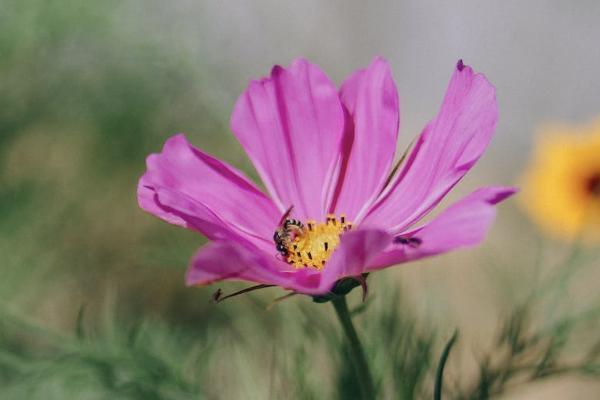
[[286, 231], [336, 207]]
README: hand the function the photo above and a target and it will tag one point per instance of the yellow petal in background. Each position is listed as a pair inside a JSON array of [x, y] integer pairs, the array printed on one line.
[[561, 189]]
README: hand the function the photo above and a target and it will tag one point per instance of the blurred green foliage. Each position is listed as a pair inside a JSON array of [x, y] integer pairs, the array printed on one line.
[[86, 95]]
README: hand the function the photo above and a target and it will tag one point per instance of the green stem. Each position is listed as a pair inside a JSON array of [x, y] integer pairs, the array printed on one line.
[[356, 350], [439, 375]]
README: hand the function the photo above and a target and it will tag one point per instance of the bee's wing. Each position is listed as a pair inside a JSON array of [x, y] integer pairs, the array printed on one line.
[[285, 215]]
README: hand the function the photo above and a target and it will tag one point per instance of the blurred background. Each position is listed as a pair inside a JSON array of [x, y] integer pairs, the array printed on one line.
[[89, 89]]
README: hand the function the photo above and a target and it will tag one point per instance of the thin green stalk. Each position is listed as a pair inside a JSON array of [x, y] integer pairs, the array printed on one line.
[[439, 375], [356, 350]]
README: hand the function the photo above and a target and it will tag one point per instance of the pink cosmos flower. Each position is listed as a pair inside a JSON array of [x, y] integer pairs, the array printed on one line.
[[328, 156]]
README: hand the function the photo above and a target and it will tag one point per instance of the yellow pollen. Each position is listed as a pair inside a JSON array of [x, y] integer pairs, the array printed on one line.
[[313, 246]]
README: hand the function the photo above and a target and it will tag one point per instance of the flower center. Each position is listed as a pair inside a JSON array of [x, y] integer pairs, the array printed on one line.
[[310, 244], [593, 185]]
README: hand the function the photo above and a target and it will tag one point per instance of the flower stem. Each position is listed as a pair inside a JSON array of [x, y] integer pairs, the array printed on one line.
[[356, 350], [439, 375]]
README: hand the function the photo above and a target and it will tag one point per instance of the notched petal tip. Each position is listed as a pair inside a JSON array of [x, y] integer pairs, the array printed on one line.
[[295, 64], [379, 66], [299, 61], [465, 71], [501, 194], [379, 60], [178, 137], [275, 71], [172, 142], [276, 117], [462, 68]]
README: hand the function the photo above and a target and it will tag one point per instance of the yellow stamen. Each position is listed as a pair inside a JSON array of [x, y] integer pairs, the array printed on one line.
[[313, 246]]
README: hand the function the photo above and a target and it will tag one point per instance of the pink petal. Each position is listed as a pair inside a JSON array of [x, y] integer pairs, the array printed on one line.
[[148, 201], [371, 99], [227, 260], [186, 187], [357, 250], [463, 224], [219, 260], [291, 124], [448, 147]]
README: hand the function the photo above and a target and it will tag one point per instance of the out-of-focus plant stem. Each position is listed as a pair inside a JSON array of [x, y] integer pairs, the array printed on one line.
[[439, 376], [356, 350]]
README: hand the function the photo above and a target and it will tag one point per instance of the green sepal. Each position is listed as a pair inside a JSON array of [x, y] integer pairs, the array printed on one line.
[[341, 288]]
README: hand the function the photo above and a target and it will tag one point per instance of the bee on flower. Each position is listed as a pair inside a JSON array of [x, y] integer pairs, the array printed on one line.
[[335, 206], [561, 186]]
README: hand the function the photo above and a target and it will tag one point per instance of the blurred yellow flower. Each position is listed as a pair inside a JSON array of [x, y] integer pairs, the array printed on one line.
[[561, 187]]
